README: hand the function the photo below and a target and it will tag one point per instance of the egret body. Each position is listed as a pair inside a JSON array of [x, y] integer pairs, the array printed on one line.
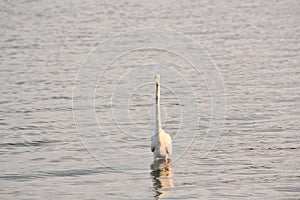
[[161, 142]]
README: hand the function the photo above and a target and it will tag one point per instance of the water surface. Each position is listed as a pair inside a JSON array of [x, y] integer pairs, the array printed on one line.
[[255, 45]]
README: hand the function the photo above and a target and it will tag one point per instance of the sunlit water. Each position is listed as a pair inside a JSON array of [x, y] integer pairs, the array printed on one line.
[[255, 45]]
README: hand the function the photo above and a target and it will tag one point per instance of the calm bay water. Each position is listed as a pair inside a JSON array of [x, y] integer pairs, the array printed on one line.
[[255, 45]]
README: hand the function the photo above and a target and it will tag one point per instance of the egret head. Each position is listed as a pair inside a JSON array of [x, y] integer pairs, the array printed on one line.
[[157, 79]]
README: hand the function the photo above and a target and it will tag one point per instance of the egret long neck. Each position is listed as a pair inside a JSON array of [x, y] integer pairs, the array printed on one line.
[[158, 118]]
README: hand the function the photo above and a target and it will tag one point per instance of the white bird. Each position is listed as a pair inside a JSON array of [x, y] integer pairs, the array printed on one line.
[[161, 142]]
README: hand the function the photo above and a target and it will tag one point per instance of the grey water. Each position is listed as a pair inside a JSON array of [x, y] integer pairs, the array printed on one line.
[[50, 149]]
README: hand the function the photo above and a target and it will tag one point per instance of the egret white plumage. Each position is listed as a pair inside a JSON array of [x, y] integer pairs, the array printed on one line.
[[161, 142]]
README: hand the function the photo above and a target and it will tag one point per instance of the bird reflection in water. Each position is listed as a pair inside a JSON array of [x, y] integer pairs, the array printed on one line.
[[161, 173]]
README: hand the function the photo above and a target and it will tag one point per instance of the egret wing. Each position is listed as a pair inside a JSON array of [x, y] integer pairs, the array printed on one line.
[[169, 148]]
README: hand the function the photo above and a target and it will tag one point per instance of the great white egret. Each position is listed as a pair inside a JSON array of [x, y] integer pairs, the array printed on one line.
[[161, 142]]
